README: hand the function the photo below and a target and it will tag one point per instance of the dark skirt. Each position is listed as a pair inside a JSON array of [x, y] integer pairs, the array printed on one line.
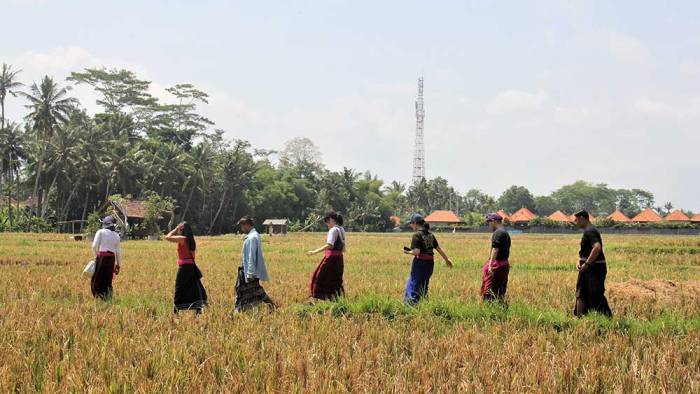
[[101, 282], [418, 281], [590, 289], [495, 284], [249, 295], [327, 281], [189, 291]]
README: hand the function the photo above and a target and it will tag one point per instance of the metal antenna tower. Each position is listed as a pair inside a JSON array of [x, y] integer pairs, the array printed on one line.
[[419, 149]]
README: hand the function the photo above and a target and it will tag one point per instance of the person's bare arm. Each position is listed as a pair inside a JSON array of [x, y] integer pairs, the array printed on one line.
[[319, 250], [492, 258], [595, 252], [444, 256], [173, 237]]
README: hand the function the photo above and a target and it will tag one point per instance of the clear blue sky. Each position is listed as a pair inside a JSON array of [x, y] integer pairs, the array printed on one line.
[[513, 90]]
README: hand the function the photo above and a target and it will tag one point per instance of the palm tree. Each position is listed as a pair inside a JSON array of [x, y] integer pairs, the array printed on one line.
[[8, 83], [49, 106], [11, 152], [201, 159]]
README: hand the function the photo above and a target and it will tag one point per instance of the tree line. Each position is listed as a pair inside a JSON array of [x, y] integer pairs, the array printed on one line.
[[63, 163]]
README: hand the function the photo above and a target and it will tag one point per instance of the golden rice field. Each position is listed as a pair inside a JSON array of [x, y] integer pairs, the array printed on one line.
[[55, 338]]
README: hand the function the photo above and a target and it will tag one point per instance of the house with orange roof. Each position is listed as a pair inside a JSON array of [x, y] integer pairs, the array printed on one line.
[[503, 214], [647, 216], [677, 216], [695, 218], [560, 216], [443, 218], [619, 217], [522, 217]]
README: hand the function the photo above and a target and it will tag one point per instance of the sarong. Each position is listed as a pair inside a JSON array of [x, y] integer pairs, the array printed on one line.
[[495, 284], [101, 282], [418, 280], [249, 295], [189, 291], [590, 288], [327, 280]]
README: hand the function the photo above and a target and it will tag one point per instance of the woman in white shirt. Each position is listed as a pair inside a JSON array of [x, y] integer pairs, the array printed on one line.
[[108, 259], [327, 281]]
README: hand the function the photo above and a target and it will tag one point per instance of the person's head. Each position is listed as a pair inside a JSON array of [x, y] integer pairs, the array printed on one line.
[[332, 219], [108, 223], [582, 219], [246, 224], [417, 222], [494, 221], [186, 231]]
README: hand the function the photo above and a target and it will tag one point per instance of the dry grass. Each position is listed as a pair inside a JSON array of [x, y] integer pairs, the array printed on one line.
[[55, 337]]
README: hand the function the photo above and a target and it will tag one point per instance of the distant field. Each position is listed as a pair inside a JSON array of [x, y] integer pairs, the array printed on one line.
[[55, 337]]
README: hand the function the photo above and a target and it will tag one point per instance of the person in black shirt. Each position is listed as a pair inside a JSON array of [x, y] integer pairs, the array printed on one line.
[[423, 247], [592, 270], [495, 272]]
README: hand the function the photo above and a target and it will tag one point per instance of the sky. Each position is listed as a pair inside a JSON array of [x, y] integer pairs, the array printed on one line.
[[539, 93]]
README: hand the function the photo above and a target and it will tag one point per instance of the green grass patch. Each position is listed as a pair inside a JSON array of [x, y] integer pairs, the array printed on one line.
[[520, 315]]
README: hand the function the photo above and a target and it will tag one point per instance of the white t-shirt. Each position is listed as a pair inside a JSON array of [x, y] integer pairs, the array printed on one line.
[[333, 235], [107, 241]]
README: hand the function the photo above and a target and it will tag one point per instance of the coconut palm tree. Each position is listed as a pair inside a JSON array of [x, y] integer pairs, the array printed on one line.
[[201, 160], [49, 107], [8, 84], [11, 153]]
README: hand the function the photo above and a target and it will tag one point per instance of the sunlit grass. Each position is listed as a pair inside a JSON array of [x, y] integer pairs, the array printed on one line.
[[55, 338]]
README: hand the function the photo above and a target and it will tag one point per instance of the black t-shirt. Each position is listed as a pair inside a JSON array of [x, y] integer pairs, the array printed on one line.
[[590, 237], [425, 241], [501, 240]]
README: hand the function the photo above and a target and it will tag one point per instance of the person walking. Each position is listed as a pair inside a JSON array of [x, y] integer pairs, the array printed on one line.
[[592, 270], [495, 272], [106, 248], [189, 291], [252, 270], [423, 247], [327, 280]]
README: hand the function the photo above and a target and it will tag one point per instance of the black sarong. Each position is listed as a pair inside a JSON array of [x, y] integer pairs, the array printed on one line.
[[590, 288], [327, 281], [249, 295], [189, 291], [101, 282]]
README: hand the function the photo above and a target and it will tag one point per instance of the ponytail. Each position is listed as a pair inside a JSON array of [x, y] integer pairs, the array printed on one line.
[[338, 218]]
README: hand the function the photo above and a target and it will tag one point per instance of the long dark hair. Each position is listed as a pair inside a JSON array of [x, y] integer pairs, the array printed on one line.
[[187, 232], [425, 226], [338, 218]]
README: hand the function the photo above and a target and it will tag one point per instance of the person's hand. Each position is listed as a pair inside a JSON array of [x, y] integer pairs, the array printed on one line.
[[578, 265], [117, 268], [310, 253], [584, 267], [180, 226], [490, 269], [449, 263]]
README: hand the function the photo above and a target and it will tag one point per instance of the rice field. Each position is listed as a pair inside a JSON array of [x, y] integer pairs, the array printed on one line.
[[55, 338]]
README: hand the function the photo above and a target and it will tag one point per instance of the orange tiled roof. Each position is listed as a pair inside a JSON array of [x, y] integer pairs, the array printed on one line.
[[677, 216], [695, 218], [618, 216], [646, 216], [559, 216], [522, 215], [503, 214], [443, 217]]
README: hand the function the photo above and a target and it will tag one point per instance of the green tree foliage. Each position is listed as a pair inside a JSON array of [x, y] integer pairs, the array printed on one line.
[[516, 197], [65, 163]]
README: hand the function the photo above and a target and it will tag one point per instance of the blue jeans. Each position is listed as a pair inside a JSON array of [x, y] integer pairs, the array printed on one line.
[[417, 285]]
